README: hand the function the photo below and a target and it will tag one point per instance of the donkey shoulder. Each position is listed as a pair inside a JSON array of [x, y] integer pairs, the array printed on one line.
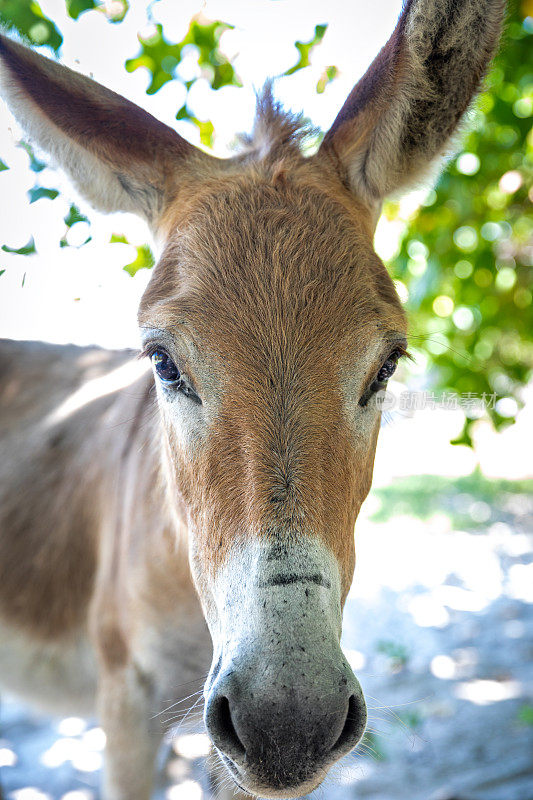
[[65, 413]]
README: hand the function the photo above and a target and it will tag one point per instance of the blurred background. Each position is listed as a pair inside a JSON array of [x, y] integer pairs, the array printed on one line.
[[439, 622]]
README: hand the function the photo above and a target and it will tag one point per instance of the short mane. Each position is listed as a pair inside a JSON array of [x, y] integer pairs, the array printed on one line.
[[276, 131]]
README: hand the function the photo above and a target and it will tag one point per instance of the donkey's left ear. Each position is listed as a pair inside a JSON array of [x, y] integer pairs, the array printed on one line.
[[399, 118], [118, 156]]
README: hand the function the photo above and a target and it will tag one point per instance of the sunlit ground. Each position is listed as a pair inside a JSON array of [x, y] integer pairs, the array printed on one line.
[[438, 627]]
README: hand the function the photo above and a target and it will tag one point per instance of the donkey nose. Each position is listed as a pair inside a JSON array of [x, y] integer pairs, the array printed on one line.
[[284, 735]]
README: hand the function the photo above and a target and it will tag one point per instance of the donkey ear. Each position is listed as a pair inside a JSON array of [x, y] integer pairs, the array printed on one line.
[[118, 156], [399, 118]]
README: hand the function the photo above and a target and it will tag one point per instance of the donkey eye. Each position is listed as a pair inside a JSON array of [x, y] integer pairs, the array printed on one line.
[[388, 369], [170, 375], [165, 367]]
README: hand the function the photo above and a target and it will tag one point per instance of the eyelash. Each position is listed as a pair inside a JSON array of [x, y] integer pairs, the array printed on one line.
[[150, 349], [375, 386]]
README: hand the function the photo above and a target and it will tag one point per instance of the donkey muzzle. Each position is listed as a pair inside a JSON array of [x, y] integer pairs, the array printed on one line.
[[279, 733], [282, 703]]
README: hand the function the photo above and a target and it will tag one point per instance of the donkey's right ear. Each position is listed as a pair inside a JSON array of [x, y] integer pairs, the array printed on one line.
[[398, 119], [118, 156]]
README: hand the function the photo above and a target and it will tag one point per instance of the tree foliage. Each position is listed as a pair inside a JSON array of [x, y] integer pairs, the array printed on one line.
[[26, 17], [467, 256], [305, 50], [465, 259], [162, 57]]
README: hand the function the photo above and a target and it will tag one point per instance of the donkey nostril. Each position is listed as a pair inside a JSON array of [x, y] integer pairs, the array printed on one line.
[[225, 735], [226, 723], [353, 726]]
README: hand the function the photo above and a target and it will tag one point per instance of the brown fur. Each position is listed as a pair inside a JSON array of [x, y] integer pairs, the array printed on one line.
[[282, 455], [51, 503]]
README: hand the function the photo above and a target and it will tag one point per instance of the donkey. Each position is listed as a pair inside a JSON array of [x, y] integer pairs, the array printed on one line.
[[149, 533]]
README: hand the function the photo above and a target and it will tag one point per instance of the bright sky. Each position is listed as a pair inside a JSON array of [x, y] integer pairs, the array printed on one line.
[[83, 295]]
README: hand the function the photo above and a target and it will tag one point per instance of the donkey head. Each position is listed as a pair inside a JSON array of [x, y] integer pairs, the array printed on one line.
[[271, 324]]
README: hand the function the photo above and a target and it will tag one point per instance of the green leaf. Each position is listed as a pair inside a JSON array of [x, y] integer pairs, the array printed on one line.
[[144, 260], [26, 17], [464, 437], [118, 237], [77, 7], [525, 715], [3, 166], [72, 218], [37, 192], [2, 271], [27, 250], [184, 113], [396, 652], [114, 11], [329, 74], [74, 215], [161, 57], [35, 164], [305, 49], [117, 10], [216, 67], [207, 131]]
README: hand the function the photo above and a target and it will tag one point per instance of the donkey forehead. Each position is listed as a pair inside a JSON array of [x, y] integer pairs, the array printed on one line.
[[260, 257]]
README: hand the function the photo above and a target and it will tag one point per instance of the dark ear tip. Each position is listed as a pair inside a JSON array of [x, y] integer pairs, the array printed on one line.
[[15, 45], [9, 47], [7, 42], [5, 49]]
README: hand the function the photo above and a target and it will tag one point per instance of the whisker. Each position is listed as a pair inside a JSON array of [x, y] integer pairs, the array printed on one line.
[[397, 705], [468, 358], [193, 680], [194, 705], [177, 703], [395, 718]]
